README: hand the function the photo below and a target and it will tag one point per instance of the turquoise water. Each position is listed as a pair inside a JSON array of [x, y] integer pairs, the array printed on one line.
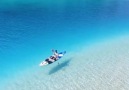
[[28, 31]]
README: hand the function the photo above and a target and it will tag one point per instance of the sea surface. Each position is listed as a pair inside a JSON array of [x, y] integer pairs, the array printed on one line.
[[29, 30]]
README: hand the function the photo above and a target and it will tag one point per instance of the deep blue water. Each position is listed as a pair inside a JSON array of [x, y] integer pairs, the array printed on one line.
[[28, 32]]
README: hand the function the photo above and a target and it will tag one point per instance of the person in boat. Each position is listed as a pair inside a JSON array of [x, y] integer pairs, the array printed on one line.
[[54, 57], [57, 55]]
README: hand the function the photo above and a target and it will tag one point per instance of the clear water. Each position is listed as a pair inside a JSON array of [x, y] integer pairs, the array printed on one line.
[[29, 30]]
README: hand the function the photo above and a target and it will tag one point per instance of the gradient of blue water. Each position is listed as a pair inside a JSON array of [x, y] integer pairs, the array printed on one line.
[[28, 32]]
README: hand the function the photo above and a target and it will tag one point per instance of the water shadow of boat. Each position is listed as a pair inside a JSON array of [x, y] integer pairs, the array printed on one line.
[[59, 67]]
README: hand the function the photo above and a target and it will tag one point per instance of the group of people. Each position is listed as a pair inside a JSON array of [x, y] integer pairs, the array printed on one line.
[[54, 57]]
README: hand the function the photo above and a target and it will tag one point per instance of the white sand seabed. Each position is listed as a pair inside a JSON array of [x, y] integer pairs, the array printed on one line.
[[101, 67]]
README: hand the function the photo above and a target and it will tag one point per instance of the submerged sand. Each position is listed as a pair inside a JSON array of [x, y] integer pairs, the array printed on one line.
[[104, 66]]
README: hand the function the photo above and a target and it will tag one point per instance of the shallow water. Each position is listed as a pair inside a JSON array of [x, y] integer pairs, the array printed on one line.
[[29, 30], [103, 66]]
